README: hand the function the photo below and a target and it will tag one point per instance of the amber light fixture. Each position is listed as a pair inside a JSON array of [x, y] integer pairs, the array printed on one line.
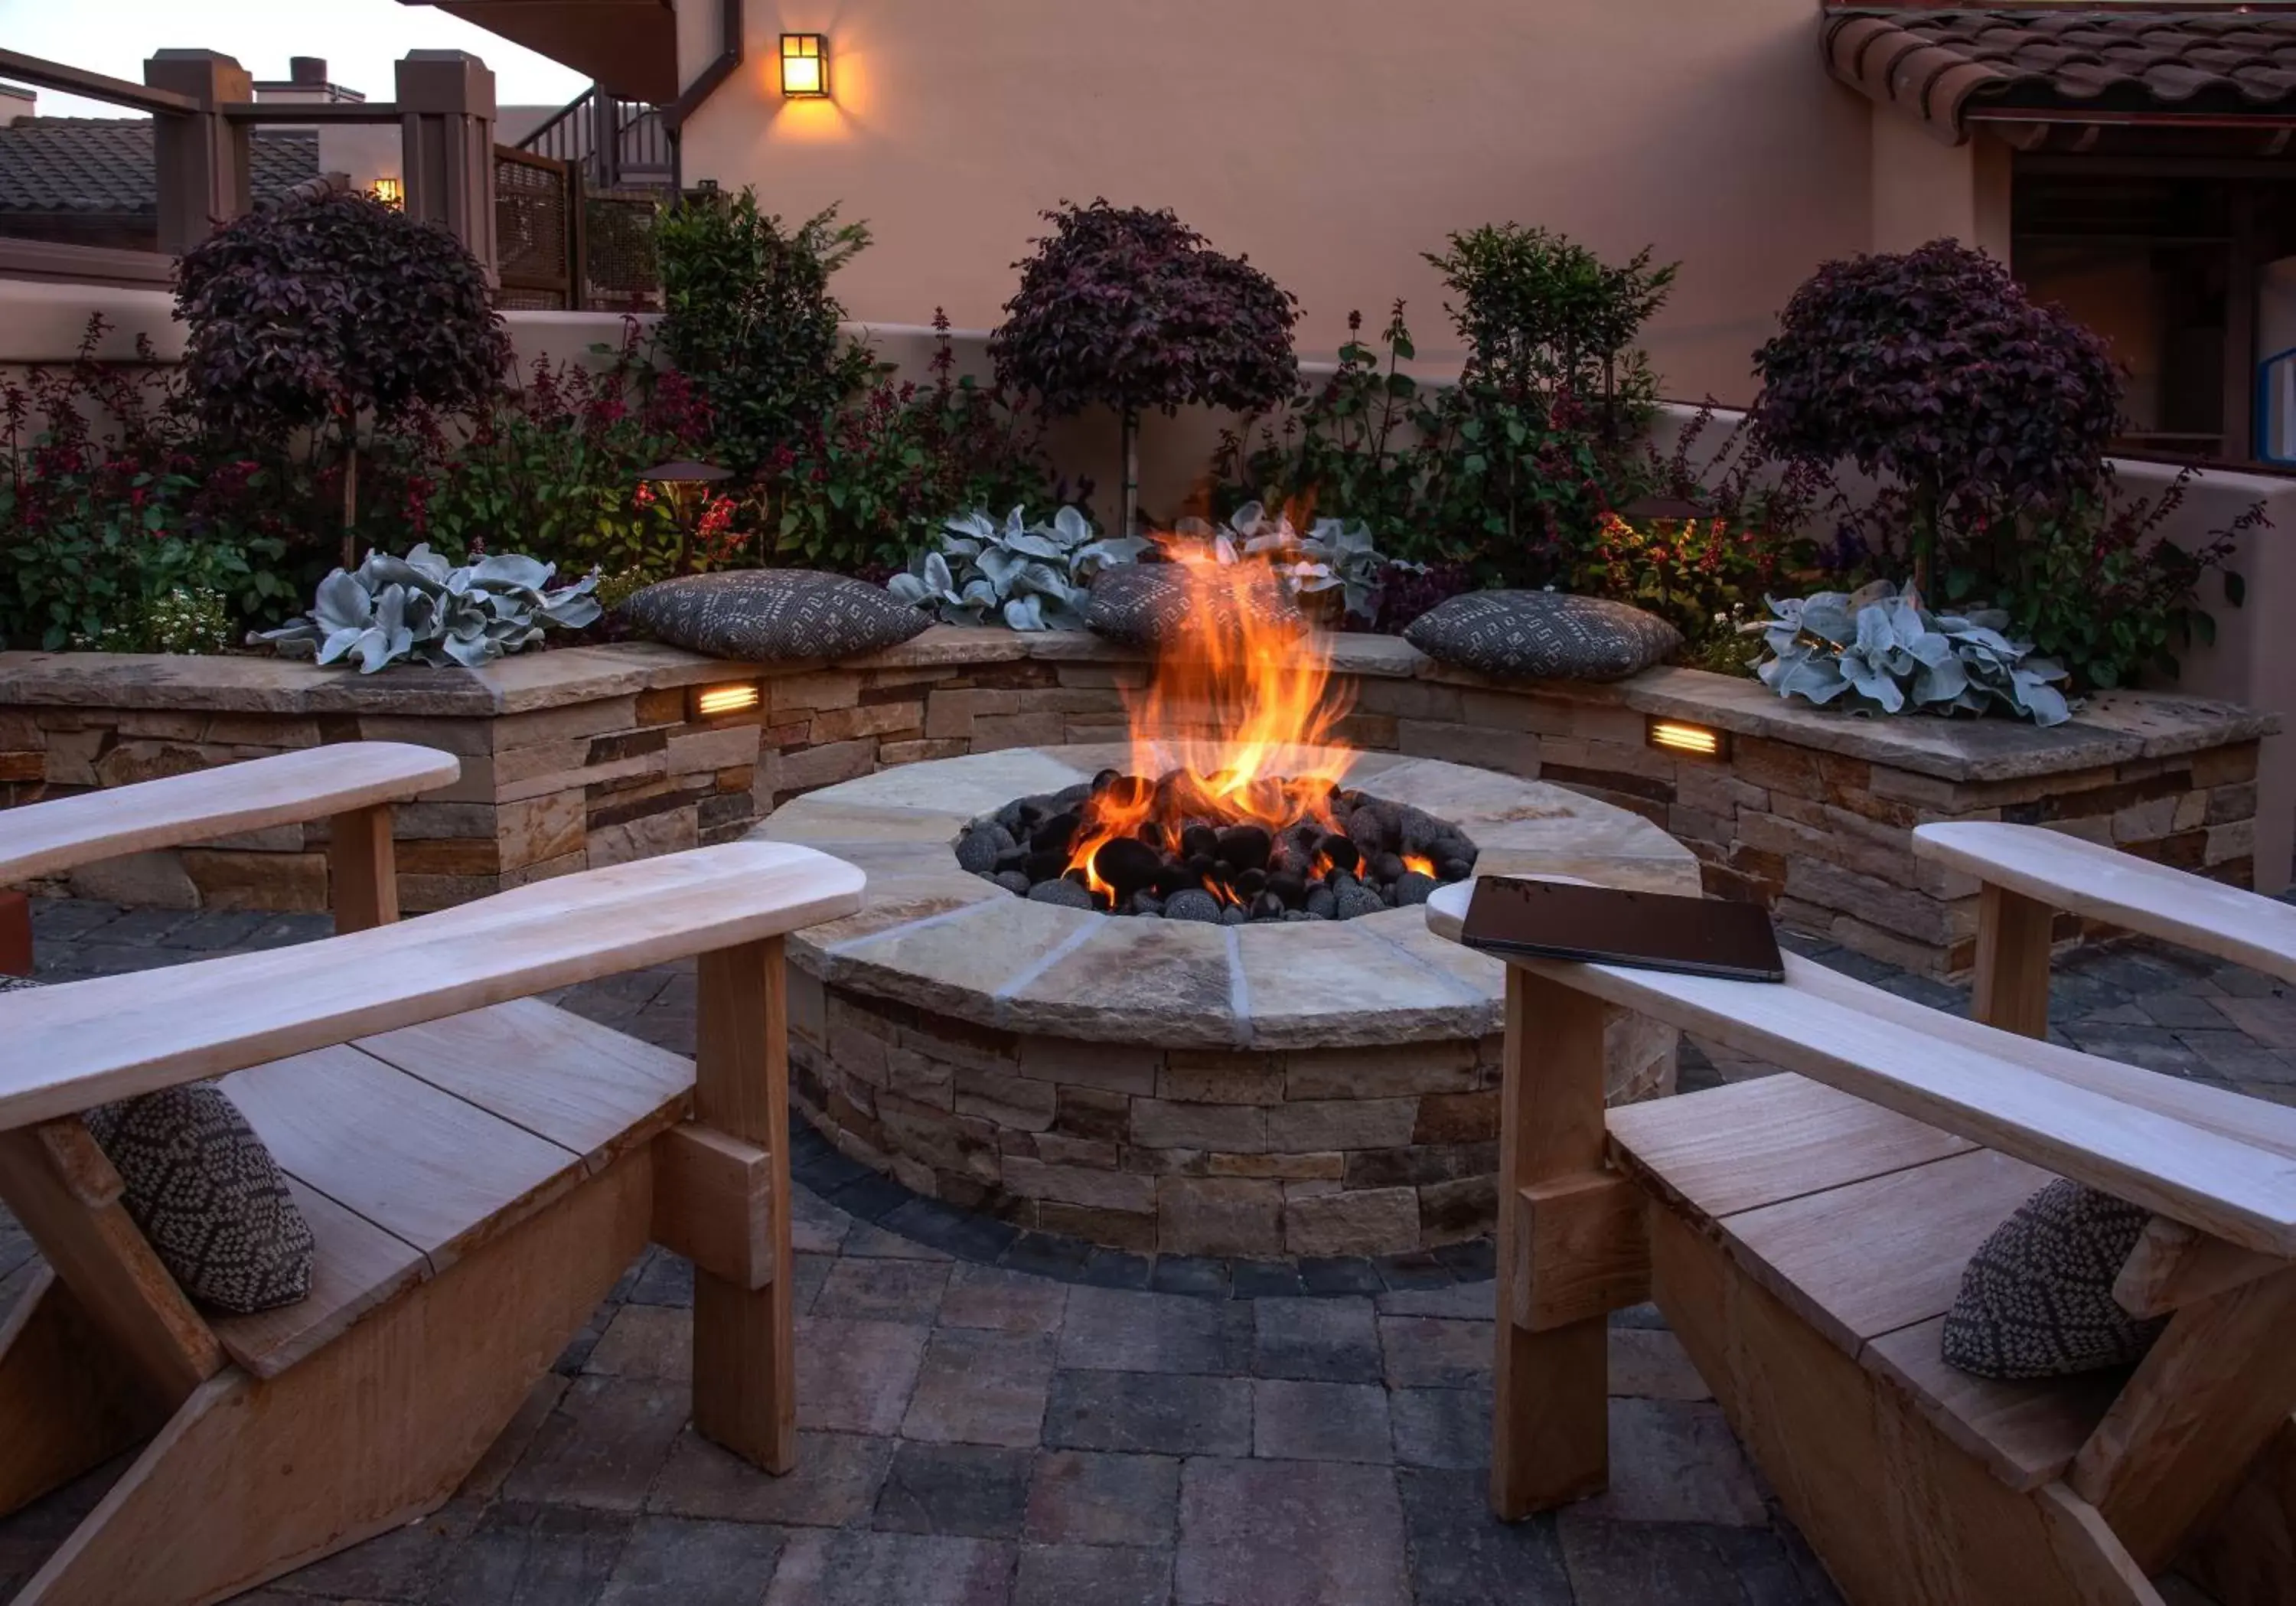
[[805, 66], [390, 192], [716, 702], [1679, 735]]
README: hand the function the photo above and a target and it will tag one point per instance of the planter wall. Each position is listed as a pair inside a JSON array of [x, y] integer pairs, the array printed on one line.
[[588, 756]]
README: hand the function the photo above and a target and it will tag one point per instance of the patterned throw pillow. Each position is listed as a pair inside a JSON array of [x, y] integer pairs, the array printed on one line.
[[1543, 636], [770, 615], [2036, 1300], [1148, 605], [206, 1194]]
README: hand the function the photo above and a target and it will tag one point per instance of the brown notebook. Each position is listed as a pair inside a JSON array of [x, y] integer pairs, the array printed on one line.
[[1607, 925]]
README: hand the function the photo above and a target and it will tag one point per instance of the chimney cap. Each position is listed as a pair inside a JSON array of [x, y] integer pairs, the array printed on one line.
[[307, 69]]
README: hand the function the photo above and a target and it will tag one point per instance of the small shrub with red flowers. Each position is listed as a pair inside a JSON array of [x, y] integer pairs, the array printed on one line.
[[552, 470], [872, 482], [1705, 576], [117, 512]]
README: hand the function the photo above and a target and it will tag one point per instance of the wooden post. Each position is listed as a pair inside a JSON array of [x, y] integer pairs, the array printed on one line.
[[2012, 960], [360, 869], [200, 158], [447, 139], [745, 1354], [1550, 1431]]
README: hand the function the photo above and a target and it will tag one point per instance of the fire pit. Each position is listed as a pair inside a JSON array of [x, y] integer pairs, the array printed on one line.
[[1250, 1069]]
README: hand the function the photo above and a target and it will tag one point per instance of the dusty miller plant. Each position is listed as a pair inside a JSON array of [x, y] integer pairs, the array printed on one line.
[[1877, 650], [1034, 577], [1333, 554], [422, 607]]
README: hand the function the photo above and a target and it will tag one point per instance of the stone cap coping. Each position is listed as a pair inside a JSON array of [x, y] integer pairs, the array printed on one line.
[[2112, 728], [933, 936]]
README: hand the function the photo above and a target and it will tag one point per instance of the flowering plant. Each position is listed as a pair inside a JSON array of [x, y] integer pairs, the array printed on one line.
[[1704, 576]]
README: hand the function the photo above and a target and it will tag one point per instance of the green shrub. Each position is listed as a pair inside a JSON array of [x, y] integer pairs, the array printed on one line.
[[749, 319]]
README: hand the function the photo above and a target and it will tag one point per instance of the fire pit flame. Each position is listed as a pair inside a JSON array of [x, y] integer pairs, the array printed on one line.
[[1245, 710], [1233, 810]]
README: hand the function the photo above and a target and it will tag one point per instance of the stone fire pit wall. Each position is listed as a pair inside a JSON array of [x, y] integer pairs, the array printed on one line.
[[588, 756], [1177, 1086]]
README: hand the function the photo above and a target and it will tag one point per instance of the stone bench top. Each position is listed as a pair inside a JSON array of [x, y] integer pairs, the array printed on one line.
[[933, 936], [2112, 728]]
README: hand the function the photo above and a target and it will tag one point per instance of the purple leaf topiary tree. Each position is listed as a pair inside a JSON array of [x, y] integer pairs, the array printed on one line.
[[1933, 373], [1133, 310], [331, 309]]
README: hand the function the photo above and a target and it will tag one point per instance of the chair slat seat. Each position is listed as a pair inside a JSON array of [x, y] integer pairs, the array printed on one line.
[[1860, 1221], [406, 1151], [582, 1086]]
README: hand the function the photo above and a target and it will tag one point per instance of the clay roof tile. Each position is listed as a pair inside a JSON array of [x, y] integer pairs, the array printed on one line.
[[1946, 67]]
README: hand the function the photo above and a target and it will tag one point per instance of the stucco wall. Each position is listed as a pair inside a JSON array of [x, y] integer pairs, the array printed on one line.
[[1333, 141]]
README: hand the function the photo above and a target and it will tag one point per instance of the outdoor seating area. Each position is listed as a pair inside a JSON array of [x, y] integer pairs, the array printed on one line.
[[847, 817]]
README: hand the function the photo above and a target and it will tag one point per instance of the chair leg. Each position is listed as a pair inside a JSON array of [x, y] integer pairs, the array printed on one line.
[[1550, 1431], [68, 1403], [253, 1477], [744, 1349]]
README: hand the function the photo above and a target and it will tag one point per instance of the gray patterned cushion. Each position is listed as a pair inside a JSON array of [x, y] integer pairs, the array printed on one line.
[[1543, 636], [2036, 1300], [769, 615], [206, 1194], [1147, 605]]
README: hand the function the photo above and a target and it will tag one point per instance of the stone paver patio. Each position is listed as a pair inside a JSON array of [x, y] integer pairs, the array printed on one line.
[[975, 1434]]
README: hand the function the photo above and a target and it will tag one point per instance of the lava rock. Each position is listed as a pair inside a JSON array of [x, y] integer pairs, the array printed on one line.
[[1387, 867], [1199, 842], [977, 850], [1013, 881], [1413, 889], [1342, 853], [1236, 914], [1170, 879], [1045, 866], [1055, 834], [1127, 865], [1321, 903], [1290, 888], [1104, 779], [1072, 797], [1200, 865], [1355, 901], [1153, 836], [1267, 906], [1193, 903], [1367, 830], [1013, 858], [1249, 884], [1245, 847], [1455, 869], [1063, 894], [1147, 903], [1293, 917]]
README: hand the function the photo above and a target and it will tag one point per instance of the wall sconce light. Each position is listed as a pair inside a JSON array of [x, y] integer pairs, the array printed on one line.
[[390, 192], [1695, 741], [716, 702], [805, 66]]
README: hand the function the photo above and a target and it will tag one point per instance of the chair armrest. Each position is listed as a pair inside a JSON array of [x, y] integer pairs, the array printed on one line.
[[42, 838], [2120, 889], [90, 1042], [2197, 1154]]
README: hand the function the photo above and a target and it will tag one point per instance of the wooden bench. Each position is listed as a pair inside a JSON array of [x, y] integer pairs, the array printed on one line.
[[1804, 1235], [477, 1167]]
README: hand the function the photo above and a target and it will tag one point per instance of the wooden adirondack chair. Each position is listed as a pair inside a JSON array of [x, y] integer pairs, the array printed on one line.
[[1804, 1235], [2245, 1552], [478, 1169]]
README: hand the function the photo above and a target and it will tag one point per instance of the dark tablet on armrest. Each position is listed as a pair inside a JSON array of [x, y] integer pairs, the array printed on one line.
[[1607, 926]]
